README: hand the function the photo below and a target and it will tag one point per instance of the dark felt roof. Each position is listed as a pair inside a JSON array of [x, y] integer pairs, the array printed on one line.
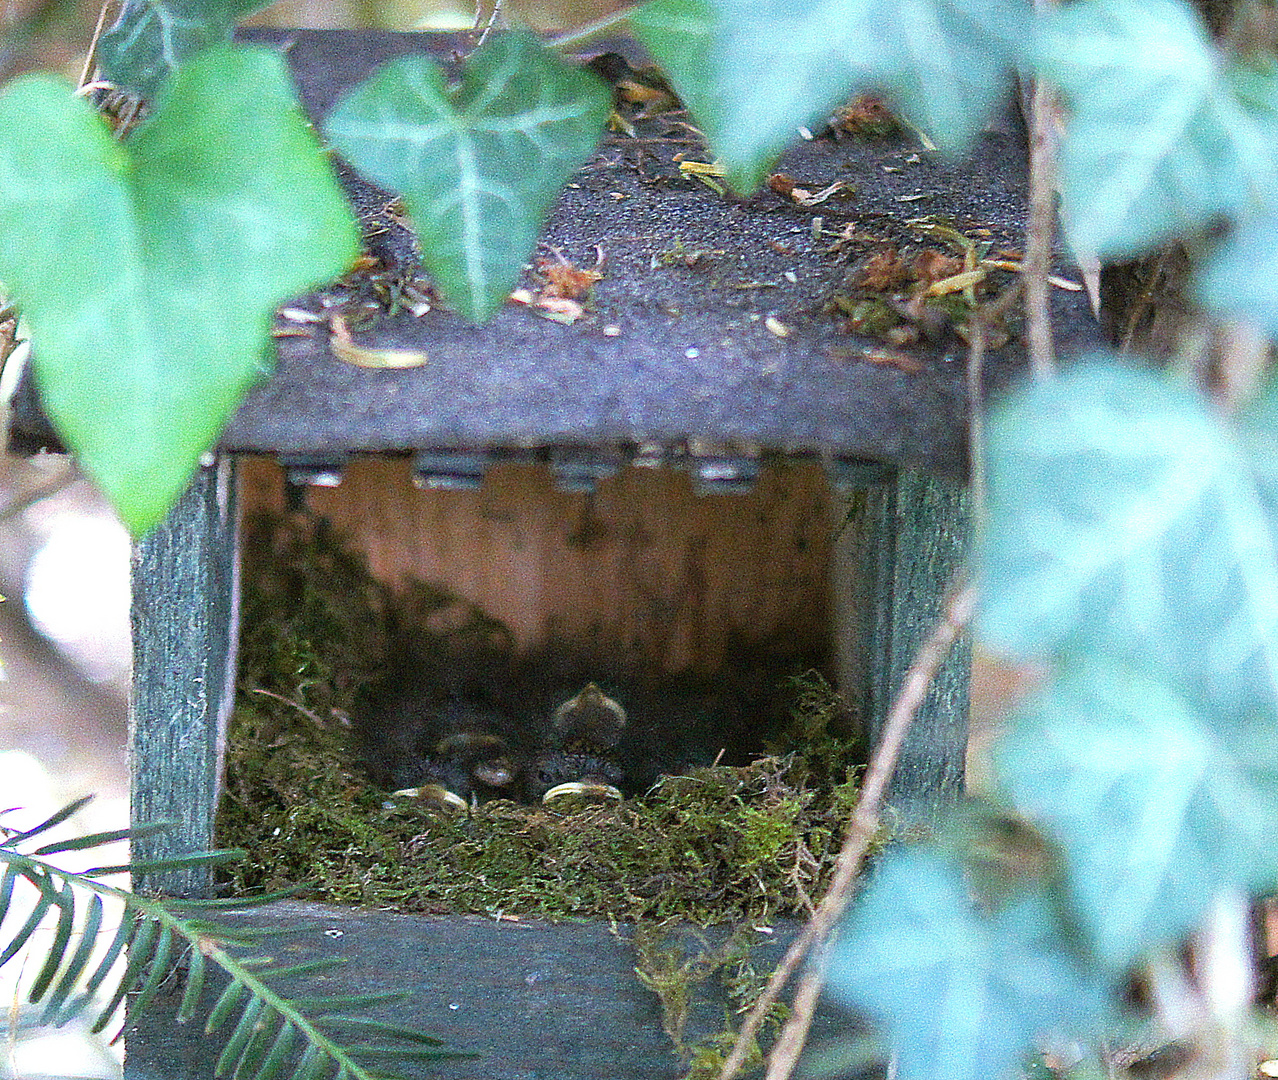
[[694, 359]]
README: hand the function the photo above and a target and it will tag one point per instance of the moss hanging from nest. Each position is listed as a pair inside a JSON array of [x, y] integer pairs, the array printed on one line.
[[677, 966], [718, 844]]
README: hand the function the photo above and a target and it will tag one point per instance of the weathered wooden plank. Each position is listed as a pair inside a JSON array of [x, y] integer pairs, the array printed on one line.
[[184, 642], [533, 999], [918, 538]]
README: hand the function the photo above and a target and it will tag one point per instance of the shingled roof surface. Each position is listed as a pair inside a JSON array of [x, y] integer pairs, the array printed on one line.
[[711, 323]]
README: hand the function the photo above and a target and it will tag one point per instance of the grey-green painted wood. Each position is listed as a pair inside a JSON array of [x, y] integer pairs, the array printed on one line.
[[917, 532], [185, 604], [537, 1000]]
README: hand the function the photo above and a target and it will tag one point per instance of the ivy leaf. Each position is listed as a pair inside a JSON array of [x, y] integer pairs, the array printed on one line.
[[1163, 136], [753, 71], [1258, 429], [1156, 808], [1240, 279], [964, 993], [478, 168], [148, 272], [1125, 518], [150, 38]]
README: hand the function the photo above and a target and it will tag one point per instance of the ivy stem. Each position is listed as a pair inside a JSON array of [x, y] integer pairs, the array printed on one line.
[[91, 56], [860, 831], [1040, 227], [1040, 230], [978, 328], [592, 30]]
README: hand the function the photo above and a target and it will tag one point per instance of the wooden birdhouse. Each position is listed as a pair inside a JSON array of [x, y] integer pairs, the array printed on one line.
[[667, 463]]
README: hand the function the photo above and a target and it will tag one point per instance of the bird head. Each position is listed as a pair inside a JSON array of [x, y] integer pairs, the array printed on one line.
[[591, 718]]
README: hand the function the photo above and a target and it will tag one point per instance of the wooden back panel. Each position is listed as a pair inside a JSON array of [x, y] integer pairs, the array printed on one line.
[[642, 564]]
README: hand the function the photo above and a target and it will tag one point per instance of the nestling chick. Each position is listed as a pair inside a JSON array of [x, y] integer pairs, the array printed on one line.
[[448, 753], [591, 718], [587, 728]]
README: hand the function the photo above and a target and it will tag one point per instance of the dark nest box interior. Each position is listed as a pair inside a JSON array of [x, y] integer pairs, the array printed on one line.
[[706, 465]]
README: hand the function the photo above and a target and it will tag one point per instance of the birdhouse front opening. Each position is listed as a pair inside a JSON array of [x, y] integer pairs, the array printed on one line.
[[502, 660]]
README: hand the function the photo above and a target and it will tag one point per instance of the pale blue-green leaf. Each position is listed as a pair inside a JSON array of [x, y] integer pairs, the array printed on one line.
[[150, 38], [752, 71], [1257, 428], [1124, 518], [148, 272], [1156, 806], [1240, 278], [478, 167], [964, 994], [1162, 138]]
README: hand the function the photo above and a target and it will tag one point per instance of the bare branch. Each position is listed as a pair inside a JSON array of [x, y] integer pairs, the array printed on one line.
[[1039, 231], [861, 829]]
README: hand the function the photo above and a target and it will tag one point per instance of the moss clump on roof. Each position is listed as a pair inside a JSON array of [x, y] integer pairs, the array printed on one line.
[[717, 844]]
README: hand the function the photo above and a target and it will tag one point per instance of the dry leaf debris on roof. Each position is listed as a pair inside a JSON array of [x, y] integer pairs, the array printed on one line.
[[678, 340]]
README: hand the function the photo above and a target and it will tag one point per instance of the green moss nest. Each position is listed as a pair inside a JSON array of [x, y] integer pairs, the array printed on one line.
[[719, 844]]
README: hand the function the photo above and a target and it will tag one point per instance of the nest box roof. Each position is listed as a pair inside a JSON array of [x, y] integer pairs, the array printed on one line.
[[712, 326]]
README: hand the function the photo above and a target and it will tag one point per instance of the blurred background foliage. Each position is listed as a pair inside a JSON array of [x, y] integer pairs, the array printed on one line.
[[55, 34]]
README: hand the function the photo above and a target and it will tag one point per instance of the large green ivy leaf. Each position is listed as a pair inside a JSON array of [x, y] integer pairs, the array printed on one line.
[[964, 993], [1240, 279], [1156, 807], [150, 38], [1162, 136], [753, 71], [1258, 429], [1125, 518], [479, 167], [148, 272]]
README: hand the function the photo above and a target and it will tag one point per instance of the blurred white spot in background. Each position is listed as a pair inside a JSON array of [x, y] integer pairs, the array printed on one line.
[[65, 653], [77, 583], [31, 1050]]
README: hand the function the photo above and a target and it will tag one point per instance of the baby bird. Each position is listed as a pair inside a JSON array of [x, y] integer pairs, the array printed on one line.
[[582, 763], [459, 759], [558, 774], [590, 718]]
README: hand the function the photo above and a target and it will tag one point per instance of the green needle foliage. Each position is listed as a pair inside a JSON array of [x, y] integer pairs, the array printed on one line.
[[268, 1035]]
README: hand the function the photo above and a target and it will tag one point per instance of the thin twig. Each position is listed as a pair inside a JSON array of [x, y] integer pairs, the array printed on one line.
[[493, 16], [1040, 228], [978, 328], [289, 701], [976, 417], [1039, 232], [785, 1055], [861, 829], [590, 31], [91, 55]]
